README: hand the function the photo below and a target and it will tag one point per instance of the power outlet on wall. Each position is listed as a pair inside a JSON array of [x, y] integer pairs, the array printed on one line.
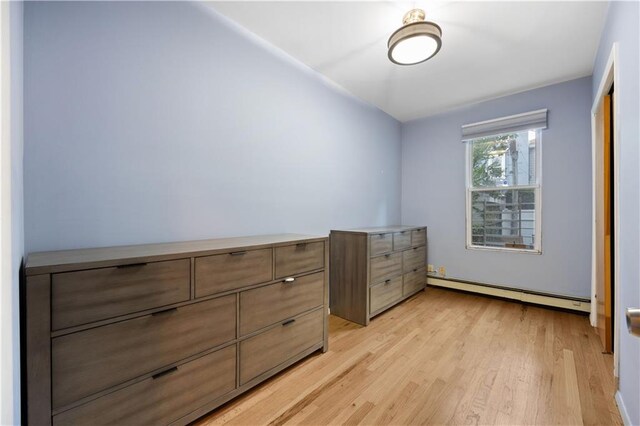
[[431, 268], [442, 271]]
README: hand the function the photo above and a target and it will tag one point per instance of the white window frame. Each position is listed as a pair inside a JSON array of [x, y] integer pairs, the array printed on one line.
[[537, 187]]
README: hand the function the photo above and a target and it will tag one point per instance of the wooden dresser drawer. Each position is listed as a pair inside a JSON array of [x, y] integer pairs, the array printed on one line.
[[267, 350], [412, 259], [385, 266], [418, 237], [380, 243], [228, 271], [82, 297], [274, 303], [162, 399], [413, 281], [385, 293], [401, 240], [111, 341], [299, 258], [89, 361]]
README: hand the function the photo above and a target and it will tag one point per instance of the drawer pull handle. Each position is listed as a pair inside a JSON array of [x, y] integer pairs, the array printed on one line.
[[164, 311], [381, 235], [415, 248], [415, 270], [237, 253], [164, 373], [301, 245], [131, 265], [288, 280], [386, 282], [287, 322], [387, 256]]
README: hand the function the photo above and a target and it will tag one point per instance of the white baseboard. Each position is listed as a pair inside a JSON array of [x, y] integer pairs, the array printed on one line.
[[514, 294], [623, 410]]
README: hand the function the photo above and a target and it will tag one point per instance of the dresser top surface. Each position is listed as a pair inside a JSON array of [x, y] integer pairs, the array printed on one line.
[[380, 229], [68, 260]]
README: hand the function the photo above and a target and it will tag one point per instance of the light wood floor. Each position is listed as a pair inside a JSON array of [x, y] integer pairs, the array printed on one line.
[[443, 357]]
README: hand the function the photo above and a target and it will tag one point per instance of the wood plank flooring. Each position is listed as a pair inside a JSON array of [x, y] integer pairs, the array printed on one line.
[[443, 357]]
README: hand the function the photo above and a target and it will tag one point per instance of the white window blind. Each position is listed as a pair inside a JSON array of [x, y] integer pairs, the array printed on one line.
[[533, 120]]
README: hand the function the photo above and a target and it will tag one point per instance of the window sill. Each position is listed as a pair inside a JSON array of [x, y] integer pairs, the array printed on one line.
[[504, 249]]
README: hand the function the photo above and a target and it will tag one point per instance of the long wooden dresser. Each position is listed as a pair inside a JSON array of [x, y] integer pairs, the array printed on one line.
[[372, 269], [164, 333]]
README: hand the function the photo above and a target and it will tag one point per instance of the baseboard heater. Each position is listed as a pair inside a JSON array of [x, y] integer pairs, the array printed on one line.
[[563, 302]]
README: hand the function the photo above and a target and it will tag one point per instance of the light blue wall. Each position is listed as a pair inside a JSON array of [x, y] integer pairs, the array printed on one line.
[[149, 122], [433, 192], [621, 26]]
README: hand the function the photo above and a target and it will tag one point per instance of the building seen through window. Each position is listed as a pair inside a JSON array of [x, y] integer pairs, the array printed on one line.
[[504, 191]]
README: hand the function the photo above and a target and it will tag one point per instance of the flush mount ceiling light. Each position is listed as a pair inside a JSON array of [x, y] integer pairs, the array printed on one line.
[[416, 41]]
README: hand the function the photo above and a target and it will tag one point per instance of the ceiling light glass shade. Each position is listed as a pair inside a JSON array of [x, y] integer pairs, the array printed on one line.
[[416, 41]]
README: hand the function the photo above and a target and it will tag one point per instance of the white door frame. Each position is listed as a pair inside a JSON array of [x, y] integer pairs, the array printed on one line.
[[7, 362], [610, 75]]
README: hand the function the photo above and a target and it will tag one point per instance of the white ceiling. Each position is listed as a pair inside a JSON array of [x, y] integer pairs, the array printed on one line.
[[489, 49]]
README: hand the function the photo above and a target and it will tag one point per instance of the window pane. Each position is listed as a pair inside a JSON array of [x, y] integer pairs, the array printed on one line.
[[503, 218], [504, 160]]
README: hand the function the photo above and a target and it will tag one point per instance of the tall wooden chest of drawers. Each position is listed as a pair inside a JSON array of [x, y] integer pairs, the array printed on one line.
[[164, 333], [373, 269]]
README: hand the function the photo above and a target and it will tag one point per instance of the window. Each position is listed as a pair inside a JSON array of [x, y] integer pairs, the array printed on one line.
[[503, 191]]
